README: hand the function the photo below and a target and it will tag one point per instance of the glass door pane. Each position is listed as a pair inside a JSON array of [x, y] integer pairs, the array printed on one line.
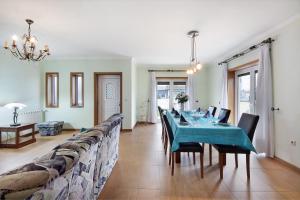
[[163, 94], [178, 87], [244, 89]]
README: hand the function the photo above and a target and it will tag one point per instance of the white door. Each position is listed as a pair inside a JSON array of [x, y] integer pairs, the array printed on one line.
[[109, 96], [246, 81]]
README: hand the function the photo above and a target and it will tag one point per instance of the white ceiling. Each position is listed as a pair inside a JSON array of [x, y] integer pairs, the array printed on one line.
[[151, 31]]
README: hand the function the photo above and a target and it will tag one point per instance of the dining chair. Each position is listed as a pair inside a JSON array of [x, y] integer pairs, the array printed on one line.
[[193, 147], [223, 118], [248, 123], [164, 136], [212, 110]]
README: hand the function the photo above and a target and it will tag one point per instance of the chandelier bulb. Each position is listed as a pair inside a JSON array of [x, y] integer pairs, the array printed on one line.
[[14, 38], [199, 66]]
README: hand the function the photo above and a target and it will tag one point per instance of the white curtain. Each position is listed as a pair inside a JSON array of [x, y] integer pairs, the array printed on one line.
[[224, 93], [190, 92], [264, 136], [152, 107]]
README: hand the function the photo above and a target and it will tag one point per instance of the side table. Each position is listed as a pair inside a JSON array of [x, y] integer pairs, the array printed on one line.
[[20, 140]]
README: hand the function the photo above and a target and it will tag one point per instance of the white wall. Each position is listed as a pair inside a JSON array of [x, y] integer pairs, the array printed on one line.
[[286, 71], [84, 117], [19, 82], [143, 87]]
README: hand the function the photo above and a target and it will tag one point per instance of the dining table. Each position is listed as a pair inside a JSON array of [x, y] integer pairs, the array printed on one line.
[[202, 129]]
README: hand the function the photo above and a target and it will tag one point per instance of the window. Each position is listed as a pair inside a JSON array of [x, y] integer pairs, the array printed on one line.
[[76, 81], [246, 81], [52, 89], [167, 90]]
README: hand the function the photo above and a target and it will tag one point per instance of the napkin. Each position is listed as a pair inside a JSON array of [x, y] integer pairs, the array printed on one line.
[[173, 111], [207, 114], [182, 119], [222, 119], [177, 113]]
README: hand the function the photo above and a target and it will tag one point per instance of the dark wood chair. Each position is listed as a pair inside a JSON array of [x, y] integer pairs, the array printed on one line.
[[248, 123], [193, 147], [223, 118], [212, 110], [164, 136]]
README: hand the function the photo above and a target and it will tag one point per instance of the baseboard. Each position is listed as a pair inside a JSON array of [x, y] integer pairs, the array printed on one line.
[[142, 123], [71, 129], [126, 130], [287, 164]]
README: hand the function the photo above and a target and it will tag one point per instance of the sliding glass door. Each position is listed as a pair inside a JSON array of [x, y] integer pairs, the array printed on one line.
[[246, 81], [167, 90]]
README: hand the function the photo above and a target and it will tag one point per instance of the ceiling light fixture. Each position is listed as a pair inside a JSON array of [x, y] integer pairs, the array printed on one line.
[[194, 62], [29, 44]]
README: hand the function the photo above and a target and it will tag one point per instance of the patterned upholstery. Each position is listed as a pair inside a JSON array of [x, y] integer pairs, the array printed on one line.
[[76, 169]]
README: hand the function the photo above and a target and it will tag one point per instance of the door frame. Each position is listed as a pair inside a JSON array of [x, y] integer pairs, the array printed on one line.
[[96, 99]]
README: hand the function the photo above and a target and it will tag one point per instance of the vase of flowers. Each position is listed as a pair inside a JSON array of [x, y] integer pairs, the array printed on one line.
[[181, 99]]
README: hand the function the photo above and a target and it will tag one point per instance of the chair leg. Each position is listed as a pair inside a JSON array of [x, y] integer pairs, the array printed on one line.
[[201, 164], [248, 165], [166, 144], [236, 160], [210, 155], [194, 158], [188, 154], [173, 158], [221, 164], [170, 156], [224, 159]]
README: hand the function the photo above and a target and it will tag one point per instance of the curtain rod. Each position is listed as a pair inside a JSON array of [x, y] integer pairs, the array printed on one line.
[[166, 70], [266, 41]]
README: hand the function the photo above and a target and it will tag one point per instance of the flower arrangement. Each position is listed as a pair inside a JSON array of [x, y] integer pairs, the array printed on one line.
[[182, 98]]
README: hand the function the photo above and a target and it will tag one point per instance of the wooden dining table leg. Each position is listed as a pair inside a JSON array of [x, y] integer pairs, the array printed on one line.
[[201, 164], [221, 164], [178, 160]]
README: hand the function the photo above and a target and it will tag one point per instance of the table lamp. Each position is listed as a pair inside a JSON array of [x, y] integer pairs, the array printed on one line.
[[15, 106]]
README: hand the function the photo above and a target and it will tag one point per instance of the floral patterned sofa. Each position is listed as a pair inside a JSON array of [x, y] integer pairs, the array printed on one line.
[[76, 169]]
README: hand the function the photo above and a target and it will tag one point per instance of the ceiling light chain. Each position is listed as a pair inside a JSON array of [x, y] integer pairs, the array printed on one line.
[[29, 45], [194, 63]]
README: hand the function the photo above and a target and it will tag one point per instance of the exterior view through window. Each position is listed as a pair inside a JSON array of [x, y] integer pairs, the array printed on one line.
[[167, 90], [246, 81]]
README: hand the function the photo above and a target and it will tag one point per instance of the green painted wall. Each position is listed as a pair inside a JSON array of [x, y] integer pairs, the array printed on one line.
[[84, 117], [200, 82], [19, 82]]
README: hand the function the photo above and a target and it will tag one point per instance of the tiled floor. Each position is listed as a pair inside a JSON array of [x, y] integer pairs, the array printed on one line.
[[142, 172]]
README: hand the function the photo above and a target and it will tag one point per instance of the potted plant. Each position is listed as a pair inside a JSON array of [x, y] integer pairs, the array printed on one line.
[[181, 99]]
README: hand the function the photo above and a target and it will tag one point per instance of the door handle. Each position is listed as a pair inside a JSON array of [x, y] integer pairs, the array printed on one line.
[[273, 109]]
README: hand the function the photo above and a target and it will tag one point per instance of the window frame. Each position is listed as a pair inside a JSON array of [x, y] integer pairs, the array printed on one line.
[[50, 104], [74, 74]]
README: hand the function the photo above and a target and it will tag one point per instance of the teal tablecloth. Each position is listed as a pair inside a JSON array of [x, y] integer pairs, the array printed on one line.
[[203, 130]]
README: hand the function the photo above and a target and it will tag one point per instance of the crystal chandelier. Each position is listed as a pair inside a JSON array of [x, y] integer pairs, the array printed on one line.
[[27, 52], [194, 62]]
